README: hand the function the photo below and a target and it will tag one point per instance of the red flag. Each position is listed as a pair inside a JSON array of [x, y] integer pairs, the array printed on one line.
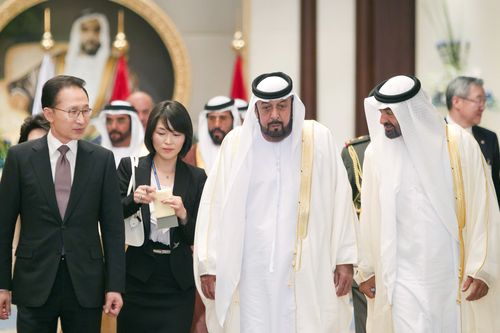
[[120, 88], [238, 88]]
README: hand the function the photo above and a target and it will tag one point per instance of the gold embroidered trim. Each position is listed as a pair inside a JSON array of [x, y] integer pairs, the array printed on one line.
[[306, 165], [358, 176], [458, 189]]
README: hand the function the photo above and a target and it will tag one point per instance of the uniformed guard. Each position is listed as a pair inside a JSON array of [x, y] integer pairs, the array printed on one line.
[[353, 155]]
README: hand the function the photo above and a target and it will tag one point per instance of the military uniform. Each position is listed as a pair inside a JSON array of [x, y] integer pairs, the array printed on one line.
[[353, 155]]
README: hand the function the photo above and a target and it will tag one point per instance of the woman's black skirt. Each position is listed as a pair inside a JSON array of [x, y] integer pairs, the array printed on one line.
[[157, 305]]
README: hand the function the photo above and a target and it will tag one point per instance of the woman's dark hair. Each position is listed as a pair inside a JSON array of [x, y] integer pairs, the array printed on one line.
[[52, 87], [175, 117], [31, 123]]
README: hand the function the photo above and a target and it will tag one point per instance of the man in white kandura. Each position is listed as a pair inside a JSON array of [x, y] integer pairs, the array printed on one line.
[[275, 226], [89, 51], [429, 244], [121, 130]]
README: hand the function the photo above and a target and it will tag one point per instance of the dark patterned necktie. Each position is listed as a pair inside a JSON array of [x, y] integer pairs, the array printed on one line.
[[62, 181]]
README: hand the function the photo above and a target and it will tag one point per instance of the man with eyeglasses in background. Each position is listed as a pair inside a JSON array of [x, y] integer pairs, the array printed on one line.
[[65, 190], [466, 101], [121, 130]]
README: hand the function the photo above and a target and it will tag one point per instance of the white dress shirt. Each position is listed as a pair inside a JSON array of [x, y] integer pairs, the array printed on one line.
[[54, 154]]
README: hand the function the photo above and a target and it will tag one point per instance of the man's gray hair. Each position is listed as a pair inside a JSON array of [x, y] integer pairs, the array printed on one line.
[[460, 87]]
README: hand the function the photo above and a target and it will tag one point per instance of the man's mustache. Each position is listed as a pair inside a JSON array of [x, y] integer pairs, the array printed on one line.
[[115, 132], [274, 122], [217, 130]]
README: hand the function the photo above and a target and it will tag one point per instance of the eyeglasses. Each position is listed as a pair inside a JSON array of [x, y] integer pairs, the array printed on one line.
[[75, 113], [479, 101]]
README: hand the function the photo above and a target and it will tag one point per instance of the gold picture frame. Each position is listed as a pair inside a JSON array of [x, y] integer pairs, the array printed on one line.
[[146, 12]]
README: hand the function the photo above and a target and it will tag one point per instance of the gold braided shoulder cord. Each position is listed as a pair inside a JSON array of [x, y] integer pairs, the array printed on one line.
[[358, 176], [458, 189], [306, 165]]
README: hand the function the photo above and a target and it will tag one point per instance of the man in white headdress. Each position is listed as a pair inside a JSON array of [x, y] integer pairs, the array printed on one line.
[[429, 229], [218, 118], [263, 262], [88, 56], [242, 107], [120, 129], [88, 53]]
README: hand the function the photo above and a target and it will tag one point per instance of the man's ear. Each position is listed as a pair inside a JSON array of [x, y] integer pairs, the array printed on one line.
[[455, 101], [49, 114]]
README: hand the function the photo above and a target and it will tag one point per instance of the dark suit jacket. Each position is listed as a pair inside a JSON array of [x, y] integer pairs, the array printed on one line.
[[488, 142], [188, 184], [27, 189]]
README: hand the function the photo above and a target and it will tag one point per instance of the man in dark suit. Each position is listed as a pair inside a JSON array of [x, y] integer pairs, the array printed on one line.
[[64, 189], [466, 101]]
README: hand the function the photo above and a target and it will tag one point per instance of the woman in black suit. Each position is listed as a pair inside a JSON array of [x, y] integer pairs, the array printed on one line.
[[160, 292]]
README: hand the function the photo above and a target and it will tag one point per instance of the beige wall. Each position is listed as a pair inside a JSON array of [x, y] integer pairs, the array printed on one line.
[[274, 44], [336, 67], [207, 29]]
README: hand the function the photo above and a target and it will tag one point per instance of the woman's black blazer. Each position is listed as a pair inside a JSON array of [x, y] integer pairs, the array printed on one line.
[[188, 184]]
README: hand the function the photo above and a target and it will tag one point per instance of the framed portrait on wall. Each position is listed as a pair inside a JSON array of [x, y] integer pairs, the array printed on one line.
[[83, 32]]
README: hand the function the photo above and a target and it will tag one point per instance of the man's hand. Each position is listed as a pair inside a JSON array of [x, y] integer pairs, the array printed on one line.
[[368, 287], [342, 277], [113, 304], [4, 304], [478, 288], [208, 286]]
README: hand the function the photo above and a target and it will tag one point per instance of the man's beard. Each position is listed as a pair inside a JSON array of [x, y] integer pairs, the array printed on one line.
[[277, 133], [90, 48], [217, 135], [391, 131], [119, 137]]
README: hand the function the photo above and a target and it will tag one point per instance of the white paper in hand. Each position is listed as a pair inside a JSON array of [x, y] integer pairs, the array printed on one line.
[[165, 215]]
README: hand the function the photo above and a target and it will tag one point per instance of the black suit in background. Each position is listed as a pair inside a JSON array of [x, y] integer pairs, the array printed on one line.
[[160, 288], [488, 142], [41, 274]]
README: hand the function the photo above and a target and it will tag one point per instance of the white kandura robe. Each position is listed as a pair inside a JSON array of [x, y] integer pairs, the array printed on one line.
[[424, 299], [482, 253], [330, 241], [266, 296]]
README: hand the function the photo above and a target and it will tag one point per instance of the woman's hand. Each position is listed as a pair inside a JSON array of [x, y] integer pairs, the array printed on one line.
[[177, 205], [144, 194]]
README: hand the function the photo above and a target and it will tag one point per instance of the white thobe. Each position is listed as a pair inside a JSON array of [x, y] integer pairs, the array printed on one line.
[[424, 300], [266, 295], [226, 211], [428, 253]]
